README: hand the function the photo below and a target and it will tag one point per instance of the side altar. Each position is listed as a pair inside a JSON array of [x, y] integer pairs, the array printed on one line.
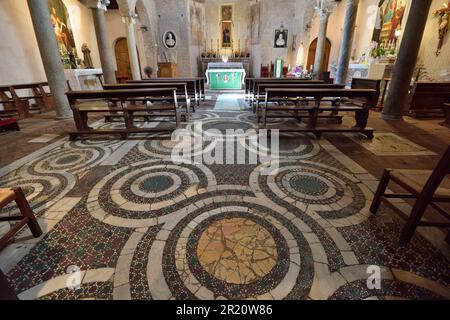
[[225, 76], [84, 79]]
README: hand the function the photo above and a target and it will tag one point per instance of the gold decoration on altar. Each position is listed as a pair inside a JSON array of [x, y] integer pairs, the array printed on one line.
[[444, 18]]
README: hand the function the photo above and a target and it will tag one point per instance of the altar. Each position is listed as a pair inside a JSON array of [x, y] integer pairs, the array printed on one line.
[[84, 79], [225, 76]]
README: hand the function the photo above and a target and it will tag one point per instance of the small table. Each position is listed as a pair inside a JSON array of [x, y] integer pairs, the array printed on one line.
[[446, 109]]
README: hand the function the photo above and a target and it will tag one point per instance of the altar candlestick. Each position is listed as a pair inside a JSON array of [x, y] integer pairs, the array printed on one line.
[[217, 45], [239, 45], [212, 45]]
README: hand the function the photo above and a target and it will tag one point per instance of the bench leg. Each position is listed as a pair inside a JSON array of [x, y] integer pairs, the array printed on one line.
[[26, 212], [380, 191], [369, 134], [414, 218]]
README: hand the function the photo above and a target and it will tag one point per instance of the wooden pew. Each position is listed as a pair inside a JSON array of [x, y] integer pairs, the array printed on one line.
[[182, 94], [255, 81], [12, 104], [261, 94], [361, 112], [428, 98], [80, 112], [194, 86], [362, 83], [44, 99]]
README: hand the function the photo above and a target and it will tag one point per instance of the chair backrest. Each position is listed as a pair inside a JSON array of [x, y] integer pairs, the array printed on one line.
[[439, 173]]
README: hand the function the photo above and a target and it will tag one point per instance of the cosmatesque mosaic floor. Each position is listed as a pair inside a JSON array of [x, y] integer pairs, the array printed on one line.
[[139, 226]]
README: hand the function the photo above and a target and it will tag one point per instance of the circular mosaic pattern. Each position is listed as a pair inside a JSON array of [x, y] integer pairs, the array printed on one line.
[[69, 160], [237, 250], [137, 195], [218, 128], [236, 254], [309, 185], [313, 184], [156, 184]]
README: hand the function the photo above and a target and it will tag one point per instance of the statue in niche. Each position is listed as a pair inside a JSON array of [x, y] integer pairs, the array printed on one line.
[[87, 56], [444, 18]]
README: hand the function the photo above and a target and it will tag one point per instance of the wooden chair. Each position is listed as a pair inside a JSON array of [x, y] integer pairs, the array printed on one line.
[[9, 195], [265, 71], [428, 187]]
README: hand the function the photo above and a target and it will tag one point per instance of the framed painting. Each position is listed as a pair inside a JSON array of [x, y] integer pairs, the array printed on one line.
[[281, 38], [226, 12], [170, 40], [227, 31], [389, 19], [59, 17]]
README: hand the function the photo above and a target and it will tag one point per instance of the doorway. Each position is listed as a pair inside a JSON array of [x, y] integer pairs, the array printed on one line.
[[312, 54], [123, 72]]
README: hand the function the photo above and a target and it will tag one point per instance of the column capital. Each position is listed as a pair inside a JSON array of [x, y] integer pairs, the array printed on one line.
[[129, 20], [97, 4], [324, 8]]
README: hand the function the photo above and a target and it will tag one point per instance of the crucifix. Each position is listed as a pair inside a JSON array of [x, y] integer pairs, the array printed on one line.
[[444, 18]]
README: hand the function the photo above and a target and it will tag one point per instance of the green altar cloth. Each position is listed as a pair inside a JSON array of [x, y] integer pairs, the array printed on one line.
[[225, 79]]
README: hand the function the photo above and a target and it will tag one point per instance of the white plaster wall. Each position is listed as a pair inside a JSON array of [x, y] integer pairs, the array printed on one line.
[[436, 65], [19, 52], [173, 16]]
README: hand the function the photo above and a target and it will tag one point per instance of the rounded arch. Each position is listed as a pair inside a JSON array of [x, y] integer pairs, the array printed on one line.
[[312, 54]]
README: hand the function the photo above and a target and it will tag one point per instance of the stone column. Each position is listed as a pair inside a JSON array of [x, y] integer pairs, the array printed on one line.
[[347, 41], [132, 49], [324, 10], [104, 48], [406, 60], [48, 47]]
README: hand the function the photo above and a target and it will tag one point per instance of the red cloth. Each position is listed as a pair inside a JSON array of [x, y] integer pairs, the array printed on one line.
[[7, 121]]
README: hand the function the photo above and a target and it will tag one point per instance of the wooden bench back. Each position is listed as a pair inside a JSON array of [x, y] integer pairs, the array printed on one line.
[[263, 86], [320, 93], [122, 95], [429, 95], [191, 83], [180, 86], [362, 83]]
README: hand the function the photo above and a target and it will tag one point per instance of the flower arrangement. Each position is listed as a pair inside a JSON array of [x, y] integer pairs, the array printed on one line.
[[377, 50]]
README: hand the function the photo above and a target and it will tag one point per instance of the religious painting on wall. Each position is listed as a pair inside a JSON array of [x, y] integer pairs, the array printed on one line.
[[281, 38], [169, 40], [198, 33], [61, 24], [255, 16], [226, 34], [226, 12], [389, 20]]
